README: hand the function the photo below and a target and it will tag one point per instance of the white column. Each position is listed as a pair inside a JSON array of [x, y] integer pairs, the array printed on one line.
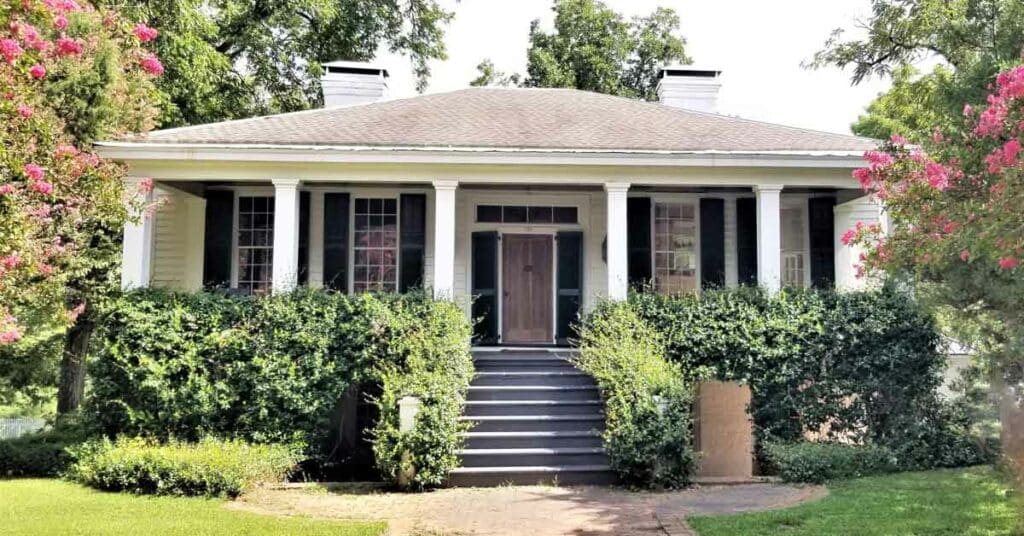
[[769, 237], [137, 245], [286, 235], [444, 239], [618, 254]]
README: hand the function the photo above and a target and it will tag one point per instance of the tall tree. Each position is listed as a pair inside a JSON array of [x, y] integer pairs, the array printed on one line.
[[70, 73], [954, 203], [973, 40], [230, 59], [593, 48]]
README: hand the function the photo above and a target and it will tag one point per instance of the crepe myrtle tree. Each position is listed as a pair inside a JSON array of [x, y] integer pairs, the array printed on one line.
[[955, 204], [69, 73]]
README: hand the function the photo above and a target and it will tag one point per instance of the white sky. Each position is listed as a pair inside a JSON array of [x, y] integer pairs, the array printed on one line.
[[758, 44]]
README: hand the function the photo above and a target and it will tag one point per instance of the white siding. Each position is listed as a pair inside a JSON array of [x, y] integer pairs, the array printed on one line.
[[178, 240], [846, 216]]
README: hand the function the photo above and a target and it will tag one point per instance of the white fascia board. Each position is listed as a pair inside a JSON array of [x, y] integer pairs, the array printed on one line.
[[470, 155]]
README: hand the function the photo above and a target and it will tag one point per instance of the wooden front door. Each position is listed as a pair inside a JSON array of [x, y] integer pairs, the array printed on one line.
[[526, 289]]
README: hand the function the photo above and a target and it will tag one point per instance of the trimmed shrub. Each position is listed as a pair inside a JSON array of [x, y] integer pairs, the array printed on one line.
[[272, 370], [820, 462], [863, 367], [649, 446], [43, 454], [211, 467]]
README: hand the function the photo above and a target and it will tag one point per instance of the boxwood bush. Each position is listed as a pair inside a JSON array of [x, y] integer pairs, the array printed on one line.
[[649, 446], [272, 369], [820, 462], [209, 467]]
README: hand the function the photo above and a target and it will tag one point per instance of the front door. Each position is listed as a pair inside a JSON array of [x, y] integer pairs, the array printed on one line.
[[527, 266]]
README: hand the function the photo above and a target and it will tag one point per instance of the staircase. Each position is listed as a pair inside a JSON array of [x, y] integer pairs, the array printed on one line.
[[537, 419]]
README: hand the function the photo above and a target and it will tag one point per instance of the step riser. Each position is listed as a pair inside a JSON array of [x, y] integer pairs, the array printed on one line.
[[499, 410], [499, 460], [523, 366], [539, 426], [532, 442], [536, 379], [562, 395], [593, 478]]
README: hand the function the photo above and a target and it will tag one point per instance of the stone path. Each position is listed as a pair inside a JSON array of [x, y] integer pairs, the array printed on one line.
[[526, 510]]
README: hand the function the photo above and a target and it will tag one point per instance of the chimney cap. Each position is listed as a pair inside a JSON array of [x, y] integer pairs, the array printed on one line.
[[354, 67], [692, 71]]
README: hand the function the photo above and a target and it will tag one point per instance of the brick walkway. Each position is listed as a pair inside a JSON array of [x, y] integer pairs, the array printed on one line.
[[526, 510]]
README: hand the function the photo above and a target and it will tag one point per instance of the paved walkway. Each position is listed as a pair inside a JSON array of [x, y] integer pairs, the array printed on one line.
[[526, 510]]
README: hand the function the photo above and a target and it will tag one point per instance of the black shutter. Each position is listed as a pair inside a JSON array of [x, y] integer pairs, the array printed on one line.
[[712, 243], [746, 240], [485, 287], [413, 240], [303, 238], [220, 218], [336, 208], [822, 233], [570, 282], [638, 241]]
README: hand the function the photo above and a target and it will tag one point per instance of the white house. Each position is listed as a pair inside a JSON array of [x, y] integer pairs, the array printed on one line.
[[534, 201]]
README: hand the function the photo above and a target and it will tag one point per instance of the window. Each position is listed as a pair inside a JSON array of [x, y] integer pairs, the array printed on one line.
[[375, 250], [255, 243], [675, 247], [794, 239], [526, 214]]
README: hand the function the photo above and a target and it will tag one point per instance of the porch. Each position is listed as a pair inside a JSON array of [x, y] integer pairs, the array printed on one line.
[[522, 255]]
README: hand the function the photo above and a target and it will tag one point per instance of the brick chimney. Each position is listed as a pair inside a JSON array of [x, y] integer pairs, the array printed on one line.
[[346, 83]]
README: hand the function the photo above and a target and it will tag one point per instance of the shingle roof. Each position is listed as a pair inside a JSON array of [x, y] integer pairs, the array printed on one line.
[[504, 118]]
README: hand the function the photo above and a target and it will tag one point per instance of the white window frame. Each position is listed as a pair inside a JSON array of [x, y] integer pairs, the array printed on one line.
[[693, 199], [797, 202], [372, 194]]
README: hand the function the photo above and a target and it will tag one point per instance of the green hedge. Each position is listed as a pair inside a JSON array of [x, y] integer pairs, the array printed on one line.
[[210, 467], [41, 454], [866, 364], [272, 369], [648, 446], [820, 462]]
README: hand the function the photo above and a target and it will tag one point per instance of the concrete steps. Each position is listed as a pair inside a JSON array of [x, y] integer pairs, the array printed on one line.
[[536, 419]]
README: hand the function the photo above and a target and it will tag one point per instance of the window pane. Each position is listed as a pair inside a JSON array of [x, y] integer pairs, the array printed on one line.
[[376, 245], [514, 215], [540, 215], [565, 215], [488, 214], [255, 243], [675, 248]]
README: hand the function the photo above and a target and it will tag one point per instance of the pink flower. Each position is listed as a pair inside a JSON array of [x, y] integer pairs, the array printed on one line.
[[76, 312], [44, 268], [965, 255], [878, 159], [10, 50], [144, 33], [145, 186], [863, 176], [968, 110], [68, 47], [42, 187], [898, 140], [937, 175], [33, 171], [10, 262], [24, 111], [60, 22], [152, 65], [848, 237], [1008, 263], [6, 188], [37, 71], [9, 335], [65, 150]]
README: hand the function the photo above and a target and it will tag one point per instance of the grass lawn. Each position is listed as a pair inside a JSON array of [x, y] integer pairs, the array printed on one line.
[[950, 502], [36, 506]]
